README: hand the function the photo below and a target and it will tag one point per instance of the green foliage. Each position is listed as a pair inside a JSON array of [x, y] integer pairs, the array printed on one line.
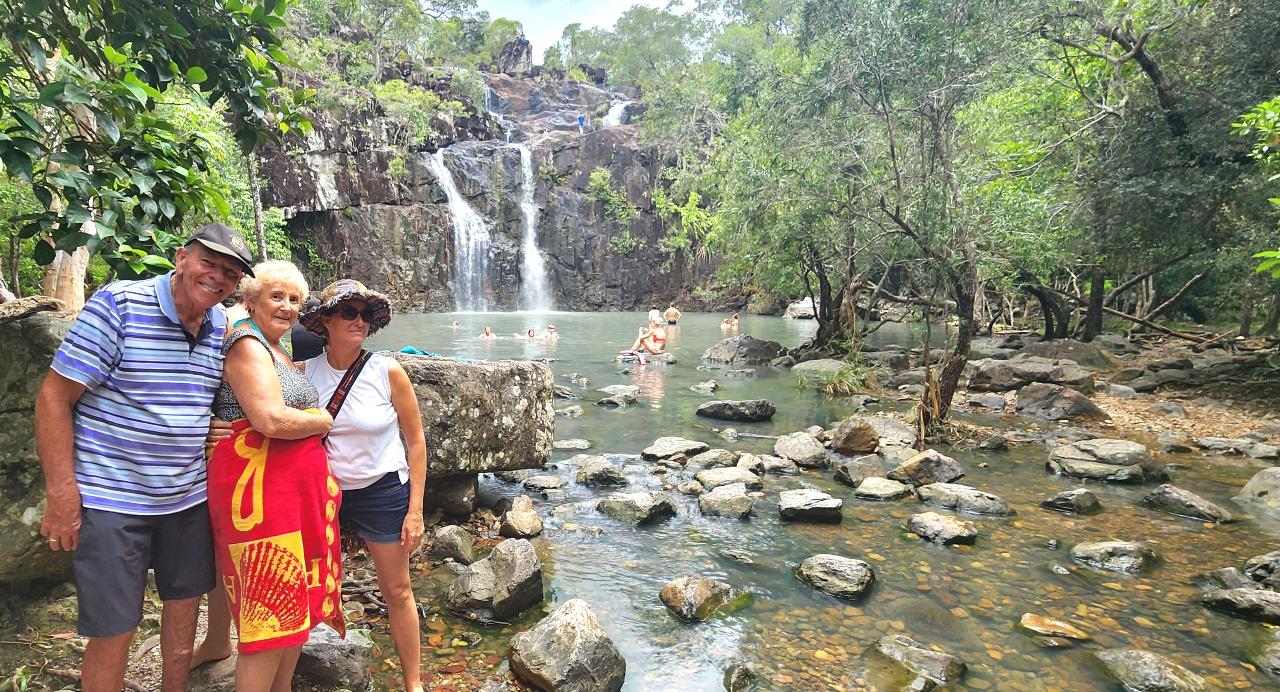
[[1262, 124], [614, 202], [547, 172], [624, 243], [413, 106], [1270, 262], [470, 85], [852, 378]]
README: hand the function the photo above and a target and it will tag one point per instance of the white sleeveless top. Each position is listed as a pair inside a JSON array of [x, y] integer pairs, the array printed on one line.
[[364, 444]]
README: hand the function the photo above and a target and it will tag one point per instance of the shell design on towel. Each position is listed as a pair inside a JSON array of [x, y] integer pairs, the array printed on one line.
[[272, 587]]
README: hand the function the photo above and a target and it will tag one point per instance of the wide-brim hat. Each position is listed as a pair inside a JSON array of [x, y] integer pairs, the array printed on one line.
[[343, 290]]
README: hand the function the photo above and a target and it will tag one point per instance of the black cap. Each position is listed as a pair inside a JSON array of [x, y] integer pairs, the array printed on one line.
[[225, 241]]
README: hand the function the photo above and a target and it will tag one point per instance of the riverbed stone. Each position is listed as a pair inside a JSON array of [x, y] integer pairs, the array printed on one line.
[[1056, 402], [1264, 569], [992, 401], [839, 576], [942, 529], [691, 488], [962, 498], [1174, 500], [1074, 501], [726, 501], [714, 478], [597, 471], [1224, 445], [929, 466], [1262, 493], [1258, 605], [617, 401], [1117, 556], [1022, 370], [452, 542], [1106, 460], [809, 505], [637, 508], [695, 598], [714, 458], [332, 661], [665, 447], [542, 482], [818, 371], [1225, 578], [1137, 669], [705, 387], [778, 465], [854, 471], [749, 410], [941, 668], [739, 677], [744, 349], [803, 449], [453, 495], [521, 521], [620, 390], [503, 584], [877, 488], [854, 435], [1086, 354], [751, 463], [572, 444], [568, 650], [1050, 627]]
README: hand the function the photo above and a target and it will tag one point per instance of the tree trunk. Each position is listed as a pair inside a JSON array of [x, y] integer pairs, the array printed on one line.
[[1273, 317], [1055, 312], [12, 267], [251, 166], [1246, 313], [64, 277], [1097, 294]]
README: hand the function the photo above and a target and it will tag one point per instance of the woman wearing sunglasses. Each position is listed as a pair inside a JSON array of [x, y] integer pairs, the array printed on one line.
[[382, 477]]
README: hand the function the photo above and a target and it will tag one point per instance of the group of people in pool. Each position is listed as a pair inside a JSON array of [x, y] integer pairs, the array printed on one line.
[[548, 333]]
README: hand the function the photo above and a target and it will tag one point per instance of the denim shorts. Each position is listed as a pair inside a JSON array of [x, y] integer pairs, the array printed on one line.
[[376, 512], [110, 564]]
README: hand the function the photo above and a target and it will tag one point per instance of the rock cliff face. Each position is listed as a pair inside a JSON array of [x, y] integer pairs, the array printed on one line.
[[359, 201]]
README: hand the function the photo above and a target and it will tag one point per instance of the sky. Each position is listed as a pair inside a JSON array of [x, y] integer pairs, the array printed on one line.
[[544, 20]]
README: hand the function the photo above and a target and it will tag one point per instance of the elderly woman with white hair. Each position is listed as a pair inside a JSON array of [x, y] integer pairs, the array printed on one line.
[[272, 499]]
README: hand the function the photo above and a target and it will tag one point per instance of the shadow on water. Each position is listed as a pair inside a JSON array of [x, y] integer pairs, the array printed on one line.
[[967, 600]]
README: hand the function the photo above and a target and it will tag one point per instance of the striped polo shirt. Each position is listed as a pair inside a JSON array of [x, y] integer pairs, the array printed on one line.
[[141, 424]]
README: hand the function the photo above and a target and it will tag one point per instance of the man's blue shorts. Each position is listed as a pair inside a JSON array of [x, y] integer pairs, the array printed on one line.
[[376, 512]]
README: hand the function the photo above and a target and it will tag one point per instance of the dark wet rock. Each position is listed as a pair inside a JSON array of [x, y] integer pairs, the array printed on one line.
[[617, 401], [453, 495], [993, 401], [802, 448], [842, 577], [1052, 642], [665, 447], [521, 521], [1259, 605], [1056, 402], [637, 508], [1116, 556], [854, 435], [452, 542], [696, 598], [597, 470], [744, 349], [1262, 493], [568, 650], [852, 472], [706, 387], [739, 677], [962, 498], [1175, 500], [929, 466], [503, 584], [809, 505], [995, 443], [714, 478], [1264, 569], [750, 410], [1269, 659], [1020, 371], [1144, 671], [1226, 578], [877, 488], [942, 529], [714, 458], [1172, 443], [332, 661], [1075, 501], [1051, 627], [726, 501], [1107, 460], [941, 668], [778, 465]]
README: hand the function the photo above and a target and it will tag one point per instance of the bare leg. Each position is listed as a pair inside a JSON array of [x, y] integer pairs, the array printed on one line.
[[284, 674], [104, 662], [177, 638], [217, 637], [257, 672], [392, 564]]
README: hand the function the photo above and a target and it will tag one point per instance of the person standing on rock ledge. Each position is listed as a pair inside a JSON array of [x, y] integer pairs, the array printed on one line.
[[120, 425]]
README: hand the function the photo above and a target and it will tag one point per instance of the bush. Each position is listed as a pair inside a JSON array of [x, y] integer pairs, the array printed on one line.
[[624, 243], [614, 202]]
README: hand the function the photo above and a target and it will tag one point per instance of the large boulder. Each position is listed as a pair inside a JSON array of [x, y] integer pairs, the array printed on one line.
[[942, 529], [876, 488], [937, 667], [696, 598], [750, 410], [744, 349], [1174, 500], [1144, 671], [854, 471], [1075, 501], [726, 501], [26, 349], [927, 467], [728, 475], [503, 584], [1116, 556], [809, 505], [1056, 402], [842, 577], [331, 661], [1261, 494], [802, 309], [854, 435], [665, 447], [1264, 569], [1089, 355], [714, 458], [1260, 605], [1018, 372], [637, 508], [516, 57], [819, 371], [597, 470], [802, 448], [1106, 459], [962, 498], [453, 495], [568, 651]]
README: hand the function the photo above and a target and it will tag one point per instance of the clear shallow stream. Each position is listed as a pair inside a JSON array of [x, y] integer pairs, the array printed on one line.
[[966, 600]]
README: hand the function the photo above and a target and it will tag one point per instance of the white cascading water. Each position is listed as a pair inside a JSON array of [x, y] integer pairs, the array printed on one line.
[[617, 114], [471, 246], [535, 295]]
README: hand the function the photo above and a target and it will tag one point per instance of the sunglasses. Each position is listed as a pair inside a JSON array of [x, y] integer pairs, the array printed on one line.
[[349, 313]]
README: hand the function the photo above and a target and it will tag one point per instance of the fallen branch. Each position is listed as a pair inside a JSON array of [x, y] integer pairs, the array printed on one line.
[[1181, 292], [1080, 300]]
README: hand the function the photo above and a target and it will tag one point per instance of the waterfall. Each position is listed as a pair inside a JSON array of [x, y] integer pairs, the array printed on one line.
[[470, 243], [617, 114], [535, 295]]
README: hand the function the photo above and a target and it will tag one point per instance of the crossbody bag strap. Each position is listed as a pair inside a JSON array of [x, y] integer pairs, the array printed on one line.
[[347, 382]]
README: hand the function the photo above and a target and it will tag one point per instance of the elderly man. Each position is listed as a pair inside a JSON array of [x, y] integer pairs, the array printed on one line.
[[120, 426]]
